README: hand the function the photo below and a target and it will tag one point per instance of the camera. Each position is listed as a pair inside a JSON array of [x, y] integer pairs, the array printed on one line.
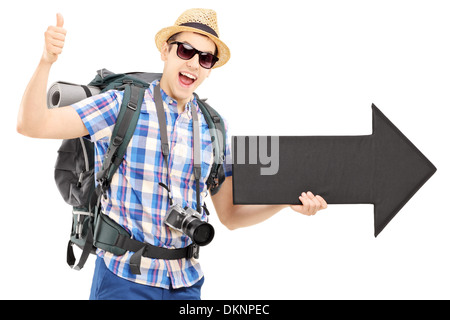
[[189, 222]]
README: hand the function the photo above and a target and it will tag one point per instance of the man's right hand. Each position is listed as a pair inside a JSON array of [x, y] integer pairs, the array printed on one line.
[[34, 118], [54, 40]]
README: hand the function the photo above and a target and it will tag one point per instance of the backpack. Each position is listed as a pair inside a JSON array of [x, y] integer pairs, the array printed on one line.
[[75, 174]]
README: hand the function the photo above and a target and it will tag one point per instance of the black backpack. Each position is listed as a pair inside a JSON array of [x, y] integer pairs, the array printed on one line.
[[74, 168]]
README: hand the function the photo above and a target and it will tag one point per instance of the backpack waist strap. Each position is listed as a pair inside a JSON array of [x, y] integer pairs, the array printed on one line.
[[112, 237], [142, 249]]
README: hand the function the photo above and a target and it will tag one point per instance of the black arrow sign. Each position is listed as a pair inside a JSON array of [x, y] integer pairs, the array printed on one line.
[[384, 169]]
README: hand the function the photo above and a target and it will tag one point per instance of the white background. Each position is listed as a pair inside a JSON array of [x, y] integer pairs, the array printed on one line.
[[297, 68]]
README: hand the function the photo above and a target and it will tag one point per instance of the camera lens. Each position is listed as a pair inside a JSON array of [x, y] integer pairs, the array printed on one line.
[[199, 231], [203, 234]]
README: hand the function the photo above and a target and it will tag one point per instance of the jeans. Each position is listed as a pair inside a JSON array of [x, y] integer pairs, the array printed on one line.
[[107, 286]]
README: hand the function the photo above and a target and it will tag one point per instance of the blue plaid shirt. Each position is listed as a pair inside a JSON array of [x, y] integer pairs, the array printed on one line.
[[135, 199]]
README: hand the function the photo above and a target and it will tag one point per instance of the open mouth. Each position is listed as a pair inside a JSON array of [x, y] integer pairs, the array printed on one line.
[[186, 79]]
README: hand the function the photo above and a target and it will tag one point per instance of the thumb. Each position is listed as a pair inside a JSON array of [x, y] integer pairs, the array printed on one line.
[[59, 20]]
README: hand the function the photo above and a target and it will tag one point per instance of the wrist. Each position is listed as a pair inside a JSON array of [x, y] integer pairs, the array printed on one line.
[[47, 60]]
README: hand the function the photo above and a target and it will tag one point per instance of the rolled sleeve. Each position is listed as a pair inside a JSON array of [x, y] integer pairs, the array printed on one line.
[[99, 113]]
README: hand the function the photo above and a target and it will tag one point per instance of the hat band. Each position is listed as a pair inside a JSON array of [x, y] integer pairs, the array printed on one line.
[[200, 26]]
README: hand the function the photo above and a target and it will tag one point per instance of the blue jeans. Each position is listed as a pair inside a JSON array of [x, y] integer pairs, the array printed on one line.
[[107, 286]]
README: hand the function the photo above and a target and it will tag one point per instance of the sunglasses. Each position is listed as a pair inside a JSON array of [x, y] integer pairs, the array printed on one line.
[[186, 52]]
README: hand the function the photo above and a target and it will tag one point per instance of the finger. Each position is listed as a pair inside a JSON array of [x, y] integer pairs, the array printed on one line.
[[304, 199], [54, 50], [53, 32], [52, 43], [323, 203], [57, 30], [59, 20], [306, 203], [51, 47], [301, 207], [57, 51], [317, 204], [310, 195], [56, 43]]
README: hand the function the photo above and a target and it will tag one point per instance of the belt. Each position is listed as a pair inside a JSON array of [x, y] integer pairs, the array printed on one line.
[[142, 249]]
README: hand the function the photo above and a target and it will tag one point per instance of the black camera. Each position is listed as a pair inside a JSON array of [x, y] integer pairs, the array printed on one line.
[[189, 222]]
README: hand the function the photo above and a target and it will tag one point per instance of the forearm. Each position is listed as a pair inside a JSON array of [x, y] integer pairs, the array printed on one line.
[[33, 108], [241, 216], [34, 116]]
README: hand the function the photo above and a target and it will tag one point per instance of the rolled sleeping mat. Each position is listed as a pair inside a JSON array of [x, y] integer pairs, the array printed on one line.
[[63, 94]]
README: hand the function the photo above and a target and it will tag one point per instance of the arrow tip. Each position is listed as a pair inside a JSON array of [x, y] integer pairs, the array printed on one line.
[[401, 170]]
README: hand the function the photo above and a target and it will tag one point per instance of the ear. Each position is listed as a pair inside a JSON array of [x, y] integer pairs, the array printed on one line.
[[164, 51]]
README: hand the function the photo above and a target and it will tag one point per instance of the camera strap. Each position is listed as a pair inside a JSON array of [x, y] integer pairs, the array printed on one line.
[[165, 148]]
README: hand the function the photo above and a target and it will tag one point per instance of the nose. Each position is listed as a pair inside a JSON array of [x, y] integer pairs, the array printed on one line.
[[194, 62]]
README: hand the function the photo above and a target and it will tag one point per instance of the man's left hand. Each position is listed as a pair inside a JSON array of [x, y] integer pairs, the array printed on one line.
[[311, 204]]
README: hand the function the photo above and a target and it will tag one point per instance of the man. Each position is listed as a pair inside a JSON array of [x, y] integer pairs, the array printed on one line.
[[190, 49]]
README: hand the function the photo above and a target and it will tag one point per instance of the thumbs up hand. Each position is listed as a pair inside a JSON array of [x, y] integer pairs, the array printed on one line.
[[54, 40]]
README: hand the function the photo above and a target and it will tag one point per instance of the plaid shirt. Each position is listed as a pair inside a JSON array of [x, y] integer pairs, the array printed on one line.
[[135, 199]]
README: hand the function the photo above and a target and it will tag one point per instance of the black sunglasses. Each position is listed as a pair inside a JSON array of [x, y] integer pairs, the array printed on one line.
[[186, 52]]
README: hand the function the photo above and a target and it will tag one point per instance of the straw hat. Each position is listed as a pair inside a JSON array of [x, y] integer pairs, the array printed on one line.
[[203, 21]]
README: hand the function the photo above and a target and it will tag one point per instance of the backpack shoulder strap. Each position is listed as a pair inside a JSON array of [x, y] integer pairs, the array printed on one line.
[[217, 130], [122, 133]]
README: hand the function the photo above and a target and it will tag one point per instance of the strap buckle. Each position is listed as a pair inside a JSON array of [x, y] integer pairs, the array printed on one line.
[[103, 186], [132, 106], [117, 141], [165, 149], [193, 251]]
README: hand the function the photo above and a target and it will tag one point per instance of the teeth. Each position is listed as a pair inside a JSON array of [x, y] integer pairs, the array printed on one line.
[[188, 75]]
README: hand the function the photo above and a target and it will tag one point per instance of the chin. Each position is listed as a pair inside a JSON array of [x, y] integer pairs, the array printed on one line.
[[181, 95]]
